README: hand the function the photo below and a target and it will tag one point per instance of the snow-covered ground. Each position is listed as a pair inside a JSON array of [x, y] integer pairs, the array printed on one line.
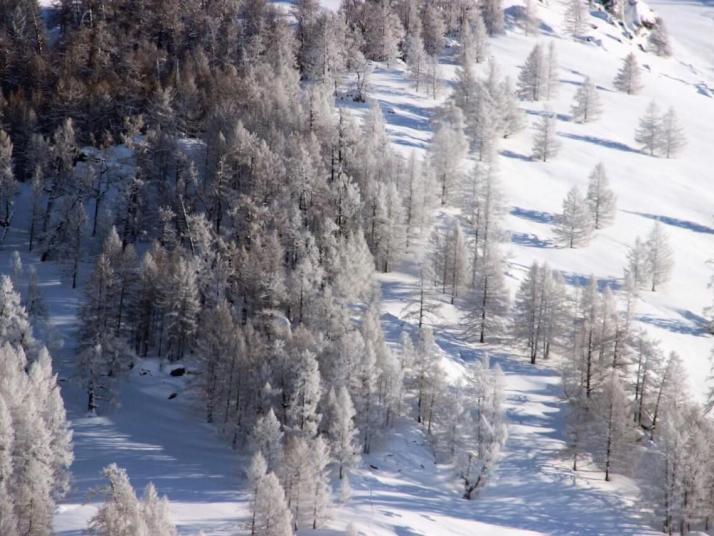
[[399, 490]]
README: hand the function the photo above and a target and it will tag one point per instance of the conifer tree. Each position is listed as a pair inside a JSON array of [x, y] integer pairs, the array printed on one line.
[[342, 431], [672, 136], [659, 260], [600, 198], [649, 130], [270, 514], [575, 18], [658, 39], [545, 142], [574, 226], [628, 77], [587, 105]]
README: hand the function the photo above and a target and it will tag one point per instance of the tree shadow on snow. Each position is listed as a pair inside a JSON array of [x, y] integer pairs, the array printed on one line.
[[610, 144], [675, 222], [536, 216]]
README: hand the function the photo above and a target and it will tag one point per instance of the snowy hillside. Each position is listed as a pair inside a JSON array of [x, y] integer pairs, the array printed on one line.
[[156, 427]]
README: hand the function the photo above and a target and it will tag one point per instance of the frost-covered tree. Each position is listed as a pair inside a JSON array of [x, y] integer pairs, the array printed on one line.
[[552, 80], [485, 424], [156, 513], [658, 39], [530, 17], [270, 514], [266, 439], [513, 118], [649, 130], [672, 136], [474, 41], [586, 106], [545, 141], [532, 76], [8, 184], [539, 310], [103, 356], [575, 18], [659, 260], [342, 431], [8, 521], [492, 12], [306, 481], [304, 397], [601, 199], [574, 225], [637, 264], [416, 59], [628, 78], [15, 327], [490, 301], [179, 301], [123, 514], [446, 154], [433, 29], [614, 420]]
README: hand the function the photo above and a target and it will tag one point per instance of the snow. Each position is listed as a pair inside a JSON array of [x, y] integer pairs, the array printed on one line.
[[532, 491]]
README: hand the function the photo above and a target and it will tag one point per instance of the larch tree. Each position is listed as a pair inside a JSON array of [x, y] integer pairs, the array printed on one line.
[[490, 301], [539, 311], [574, 224], [575, 18], [613, 413], [637, 268], [270, 514], [545, 141], [586, 106], [532, 76], [552, 79], [649, 130], [8, 521], [601, 199], [124, 514], [660, 258], [446, 155], [8, 184], [492, 12], [530, 17], [266, 438], [628, 78], [416, 59], [342, 431], [155, 510], [672, 136], [658, 40]]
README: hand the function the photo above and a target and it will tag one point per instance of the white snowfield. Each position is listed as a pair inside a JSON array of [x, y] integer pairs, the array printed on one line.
[[399, 490]]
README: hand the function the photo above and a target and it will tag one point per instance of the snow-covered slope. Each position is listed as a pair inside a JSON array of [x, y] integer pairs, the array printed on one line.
[[399, 490]]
